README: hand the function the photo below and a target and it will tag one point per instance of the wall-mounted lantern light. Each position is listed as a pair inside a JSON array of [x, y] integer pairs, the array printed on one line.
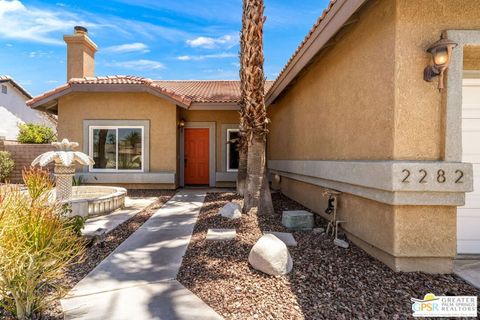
[[441, 52], [181, 123]]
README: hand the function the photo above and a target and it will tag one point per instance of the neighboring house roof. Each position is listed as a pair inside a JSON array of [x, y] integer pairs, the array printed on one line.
[[337, 14], [182, 92], [9, 79]]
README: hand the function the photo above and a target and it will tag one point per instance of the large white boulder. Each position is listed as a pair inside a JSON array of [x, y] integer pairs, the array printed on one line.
[[270, 255], [231, 210]]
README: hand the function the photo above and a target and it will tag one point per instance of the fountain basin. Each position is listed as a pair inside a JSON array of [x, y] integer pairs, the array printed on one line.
[[96, 200]]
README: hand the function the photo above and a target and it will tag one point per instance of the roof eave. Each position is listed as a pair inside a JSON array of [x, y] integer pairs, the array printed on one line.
[[86, 87], [18, 86], [339, 14]]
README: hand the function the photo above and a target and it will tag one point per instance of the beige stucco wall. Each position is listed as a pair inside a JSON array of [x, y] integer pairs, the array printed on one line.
[[348, 90], [419, 130], [76, 107], [365, 99], [471, 58], [401, 236], [220, 117], [371, 82]]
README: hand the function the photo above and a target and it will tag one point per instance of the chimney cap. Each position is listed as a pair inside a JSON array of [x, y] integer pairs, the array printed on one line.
[[80, 29]]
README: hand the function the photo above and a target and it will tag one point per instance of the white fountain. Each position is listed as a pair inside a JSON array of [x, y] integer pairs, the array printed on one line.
[[84, 200]]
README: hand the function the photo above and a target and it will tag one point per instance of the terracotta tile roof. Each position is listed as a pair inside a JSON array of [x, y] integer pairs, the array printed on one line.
[[207, 91], [184, 92], [6, 78], [111, 80]]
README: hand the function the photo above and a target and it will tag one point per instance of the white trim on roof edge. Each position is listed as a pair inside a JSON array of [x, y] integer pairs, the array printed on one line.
[[339, 14]]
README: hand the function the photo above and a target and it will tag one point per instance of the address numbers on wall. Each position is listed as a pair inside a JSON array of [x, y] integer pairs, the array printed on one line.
[[438, 176]]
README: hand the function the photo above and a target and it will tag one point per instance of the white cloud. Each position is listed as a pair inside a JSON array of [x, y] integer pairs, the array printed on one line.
[[40, 54], [208, 56], [212, 43], [128, 47], [9, 45], [46, 24], [34, 24], [141, 64], [52, 81]]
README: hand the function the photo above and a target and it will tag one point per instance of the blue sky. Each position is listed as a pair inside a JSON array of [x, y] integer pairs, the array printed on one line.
[[159, 39]]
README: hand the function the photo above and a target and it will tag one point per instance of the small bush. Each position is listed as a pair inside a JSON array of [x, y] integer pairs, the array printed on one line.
[[6, 165], [35, 133], [37, 244], [77, 223], [77, 181]]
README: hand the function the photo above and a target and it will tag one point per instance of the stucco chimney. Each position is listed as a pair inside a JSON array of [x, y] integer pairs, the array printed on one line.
[[80, 54]]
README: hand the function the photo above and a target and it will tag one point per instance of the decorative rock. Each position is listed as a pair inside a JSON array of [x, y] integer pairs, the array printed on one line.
[[286, 237], [221, 234], [97, 238], [270, 255], [318, 230], [341, 243], [231, 210], [298, 220]]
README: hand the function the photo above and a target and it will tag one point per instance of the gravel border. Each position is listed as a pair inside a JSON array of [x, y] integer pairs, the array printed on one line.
[[97, 253], [327, 282]]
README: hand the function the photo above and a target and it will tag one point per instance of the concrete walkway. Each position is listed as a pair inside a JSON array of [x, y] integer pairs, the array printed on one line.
[[112, 220], [468, 270], [136, 281]]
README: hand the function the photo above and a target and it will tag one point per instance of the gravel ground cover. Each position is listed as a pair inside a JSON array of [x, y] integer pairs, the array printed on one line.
[[95, 254], [327, 282]]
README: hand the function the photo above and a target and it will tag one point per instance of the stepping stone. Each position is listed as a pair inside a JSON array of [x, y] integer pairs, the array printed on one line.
[[221, 234], [286, 237], [298, 220]]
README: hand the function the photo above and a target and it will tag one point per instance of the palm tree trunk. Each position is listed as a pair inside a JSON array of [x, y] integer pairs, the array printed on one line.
[[242, 167], [242, 143], [257, 194]]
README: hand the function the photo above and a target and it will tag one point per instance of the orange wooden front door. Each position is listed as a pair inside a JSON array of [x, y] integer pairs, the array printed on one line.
[[197, 157]]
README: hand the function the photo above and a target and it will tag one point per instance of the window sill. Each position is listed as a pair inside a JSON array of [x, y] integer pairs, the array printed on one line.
[[128, 177]]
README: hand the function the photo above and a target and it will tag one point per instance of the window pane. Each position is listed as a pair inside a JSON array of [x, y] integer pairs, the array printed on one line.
[[130, 149], [104, 148], [233, 151]]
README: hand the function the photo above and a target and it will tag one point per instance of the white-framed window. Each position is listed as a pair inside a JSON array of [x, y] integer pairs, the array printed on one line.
[[232, 150], [117, 148], [4, 89]]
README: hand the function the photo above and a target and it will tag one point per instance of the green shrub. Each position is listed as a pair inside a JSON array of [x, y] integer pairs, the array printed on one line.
[[6, 165], [77, 223], [77, 181], [35, 133], [37, 244]]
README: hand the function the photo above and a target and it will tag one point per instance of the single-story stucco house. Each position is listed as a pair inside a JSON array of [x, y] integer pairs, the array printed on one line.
[[350, 111]]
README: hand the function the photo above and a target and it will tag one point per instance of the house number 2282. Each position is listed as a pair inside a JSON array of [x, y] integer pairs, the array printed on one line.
[[440, 176]]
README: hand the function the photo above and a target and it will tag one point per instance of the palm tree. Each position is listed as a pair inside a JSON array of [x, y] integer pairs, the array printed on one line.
[[242, 140], [254, 116]]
